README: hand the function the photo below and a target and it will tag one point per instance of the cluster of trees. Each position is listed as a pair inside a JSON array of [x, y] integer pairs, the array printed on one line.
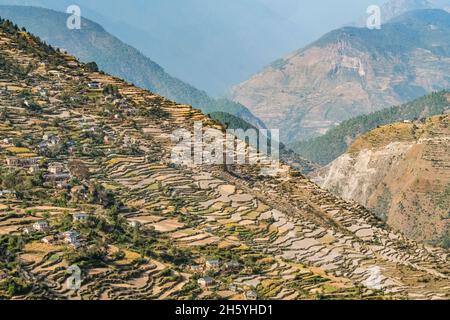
[[17, 181], [11, 69], [111, 90], [23, 40], [10, 246]]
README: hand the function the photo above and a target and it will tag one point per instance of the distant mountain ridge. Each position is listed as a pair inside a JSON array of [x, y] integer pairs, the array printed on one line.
[[93, 43], [349, 72], [394, 8]]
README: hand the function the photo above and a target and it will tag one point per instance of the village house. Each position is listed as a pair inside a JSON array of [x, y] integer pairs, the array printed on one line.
[[251, 295], [80, 217], [7, 142], [22, 162], [7, 194], [49, 240], [72, 237], [72, 64], [212, 264], [49, 141], [50, 138], [55, 73], [43, 93], [40, 226], [78, 193], [33, 169], [232, 266], [27, 230], [56, 175], [196, 268], [55, 168], [206, 282]]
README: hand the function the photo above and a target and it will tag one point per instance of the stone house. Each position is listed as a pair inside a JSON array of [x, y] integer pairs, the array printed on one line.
[[251, 295], [206, 282], [40, 226], [212, 264], [22, 162], [80, 217]]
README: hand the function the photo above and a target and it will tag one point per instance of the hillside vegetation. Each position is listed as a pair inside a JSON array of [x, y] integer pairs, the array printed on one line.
[[93, 43], [335, 142]]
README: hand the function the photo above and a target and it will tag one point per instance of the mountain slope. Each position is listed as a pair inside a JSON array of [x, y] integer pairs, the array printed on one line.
[[287, 155], [336, 141], [93, 43], [212, 44], [394, 8], [149, 225], [402, 172], [349, 72]]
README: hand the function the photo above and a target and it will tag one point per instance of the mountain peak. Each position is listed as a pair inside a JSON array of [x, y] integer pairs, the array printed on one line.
[[349, 72]]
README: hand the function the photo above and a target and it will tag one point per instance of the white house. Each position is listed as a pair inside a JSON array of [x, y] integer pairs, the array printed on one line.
[[7, 194], [48, 240], [135, 224], [251, 295], [206, 282], [94, 85], [40, 226], [213, 264], [196, 268], [80, 217], [55, 168], [232, 266], [71, 237]]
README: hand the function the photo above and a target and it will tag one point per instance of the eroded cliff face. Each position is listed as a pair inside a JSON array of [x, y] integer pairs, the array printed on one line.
[[402, 173], [355, 176]]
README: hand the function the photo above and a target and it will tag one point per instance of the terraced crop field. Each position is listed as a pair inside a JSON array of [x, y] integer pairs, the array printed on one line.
[[139, 226]]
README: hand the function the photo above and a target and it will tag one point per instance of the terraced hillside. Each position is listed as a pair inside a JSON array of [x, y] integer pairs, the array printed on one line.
[[87, 181], [93, 43], [402, 172]]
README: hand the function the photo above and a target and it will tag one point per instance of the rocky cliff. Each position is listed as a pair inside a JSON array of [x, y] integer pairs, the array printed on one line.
[[402, 173]]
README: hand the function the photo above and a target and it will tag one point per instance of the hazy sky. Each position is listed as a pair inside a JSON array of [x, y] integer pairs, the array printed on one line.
[[214, 44]]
